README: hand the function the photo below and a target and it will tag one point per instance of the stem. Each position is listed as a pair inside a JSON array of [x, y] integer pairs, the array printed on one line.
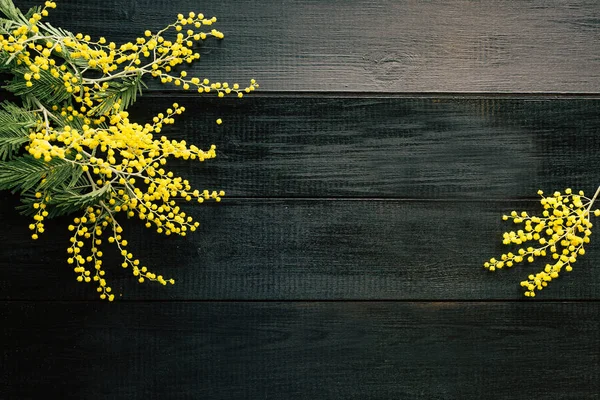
[[91, 180], [592, 201], [45, 111]]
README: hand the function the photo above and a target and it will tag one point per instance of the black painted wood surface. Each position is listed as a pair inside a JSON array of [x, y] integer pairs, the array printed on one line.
[[365, 183], [285, 249], [451, 147], [307, 350]]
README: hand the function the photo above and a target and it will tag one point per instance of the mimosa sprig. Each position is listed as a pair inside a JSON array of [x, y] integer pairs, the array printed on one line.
[[561, 233], [70, 146]]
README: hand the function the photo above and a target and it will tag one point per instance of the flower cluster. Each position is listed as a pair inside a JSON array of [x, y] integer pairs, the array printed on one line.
[[80, 151], [561, 233], [85, 68], [124, 163]]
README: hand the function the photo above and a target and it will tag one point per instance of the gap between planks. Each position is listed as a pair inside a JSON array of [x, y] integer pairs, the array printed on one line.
[[394, 95]]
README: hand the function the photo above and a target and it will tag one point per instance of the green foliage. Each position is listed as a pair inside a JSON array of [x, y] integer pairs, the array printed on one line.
[[7, 7], [124, 92], [15, 123], [26, 173], [63, 200], [70, 200], [51, 90]]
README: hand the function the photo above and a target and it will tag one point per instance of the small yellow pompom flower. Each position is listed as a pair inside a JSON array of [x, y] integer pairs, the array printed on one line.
[[567, 227]]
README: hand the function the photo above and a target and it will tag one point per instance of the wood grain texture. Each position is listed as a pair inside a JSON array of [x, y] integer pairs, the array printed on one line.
[[365, 181], [432, 147], [300, 350], [375, 46], [301, 250]]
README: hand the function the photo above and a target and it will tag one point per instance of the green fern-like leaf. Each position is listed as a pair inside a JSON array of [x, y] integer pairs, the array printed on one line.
[[60, 174], [125, 91], [15, 123], [69, 201], [5, 25], [10, 145], [62, 202], [7, 7], [27, 172], [47, 90]]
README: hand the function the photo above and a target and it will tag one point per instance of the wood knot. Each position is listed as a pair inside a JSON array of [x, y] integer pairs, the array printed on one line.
[[389, 66]]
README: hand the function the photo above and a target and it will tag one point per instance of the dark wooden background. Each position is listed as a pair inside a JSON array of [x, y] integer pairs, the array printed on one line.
[[365, 183]]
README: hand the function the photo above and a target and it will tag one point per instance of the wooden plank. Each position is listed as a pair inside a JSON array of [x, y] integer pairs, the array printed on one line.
[[301, 250], [301, 350], [433, 147], [426, 148], [374, 46]]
